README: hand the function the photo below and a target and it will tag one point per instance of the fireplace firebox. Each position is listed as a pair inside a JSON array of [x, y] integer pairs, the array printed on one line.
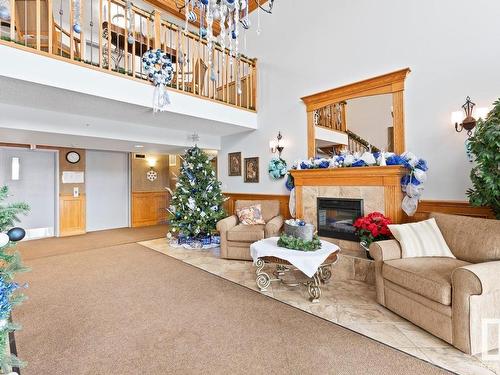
[[336, 217]]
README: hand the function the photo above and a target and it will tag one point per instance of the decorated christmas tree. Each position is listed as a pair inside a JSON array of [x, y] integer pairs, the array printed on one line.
[[10, 265], [196, 204]]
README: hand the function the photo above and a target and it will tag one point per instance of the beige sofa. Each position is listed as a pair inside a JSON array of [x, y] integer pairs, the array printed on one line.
[[236, 238], [449, 298]]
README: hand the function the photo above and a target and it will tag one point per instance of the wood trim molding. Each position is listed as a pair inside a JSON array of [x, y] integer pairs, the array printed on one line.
[[384, 84], [388, 177], [425, 207], [390, 83], [370, 176], [282, 198]]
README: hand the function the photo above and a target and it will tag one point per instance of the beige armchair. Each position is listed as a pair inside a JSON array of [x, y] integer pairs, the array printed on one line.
[[450, 298], [236, 238]]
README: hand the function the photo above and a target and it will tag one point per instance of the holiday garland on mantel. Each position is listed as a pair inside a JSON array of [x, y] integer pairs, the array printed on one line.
[[412, 184]]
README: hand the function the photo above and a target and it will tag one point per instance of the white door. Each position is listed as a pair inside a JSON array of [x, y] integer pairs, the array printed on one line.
[[35, 184], [107, 190]]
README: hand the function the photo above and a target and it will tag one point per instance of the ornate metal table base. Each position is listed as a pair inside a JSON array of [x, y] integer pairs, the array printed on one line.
[[322, 275]]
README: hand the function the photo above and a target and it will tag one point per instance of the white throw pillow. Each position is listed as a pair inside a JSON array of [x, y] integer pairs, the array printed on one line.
[[421, 239]]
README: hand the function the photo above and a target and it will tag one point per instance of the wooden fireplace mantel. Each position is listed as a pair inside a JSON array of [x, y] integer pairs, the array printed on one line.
[[388, 177]]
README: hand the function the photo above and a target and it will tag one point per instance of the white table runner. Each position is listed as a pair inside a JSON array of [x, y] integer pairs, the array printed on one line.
[[306, 261]]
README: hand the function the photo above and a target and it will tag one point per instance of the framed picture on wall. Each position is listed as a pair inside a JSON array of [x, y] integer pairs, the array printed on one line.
[[252, 170], [234, 164], [172, 160]]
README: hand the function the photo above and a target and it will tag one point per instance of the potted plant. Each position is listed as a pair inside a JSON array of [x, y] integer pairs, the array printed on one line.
[[485, 176], [372, 227]]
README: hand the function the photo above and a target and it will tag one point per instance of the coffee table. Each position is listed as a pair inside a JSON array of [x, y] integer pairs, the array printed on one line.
[[315, 265]]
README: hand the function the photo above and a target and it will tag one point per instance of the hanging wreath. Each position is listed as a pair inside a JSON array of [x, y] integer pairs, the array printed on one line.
[[277, 168], [160, 71]]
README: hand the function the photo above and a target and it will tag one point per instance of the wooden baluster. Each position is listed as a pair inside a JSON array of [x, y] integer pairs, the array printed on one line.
[[184, 60], [157, 32], [109, 35], [147, 33], [343, 119], [132, 24], [255, 77], [125, 40], [251, 86], [71, 40], [100, 34], [38, 24], [199, 61], [177, 66], [228, 76], [247, 82], [82, 33], [50, 22], [13, 20]]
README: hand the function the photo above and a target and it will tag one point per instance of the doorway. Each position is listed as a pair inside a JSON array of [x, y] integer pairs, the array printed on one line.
[[31, 178], [107, 190]]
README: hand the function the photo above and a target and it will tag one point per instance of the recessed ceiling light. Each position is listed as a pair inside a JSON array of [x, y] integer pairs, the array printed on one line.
[[139, 146]]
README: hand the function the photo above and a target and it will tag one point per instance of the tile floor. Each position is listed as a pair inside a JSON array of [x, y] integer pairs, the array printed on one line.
[[349, 303]]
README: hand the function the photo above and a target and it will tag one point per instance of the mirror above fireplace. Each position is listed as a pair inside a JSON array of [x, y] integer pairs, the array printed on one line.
[[360, 116]]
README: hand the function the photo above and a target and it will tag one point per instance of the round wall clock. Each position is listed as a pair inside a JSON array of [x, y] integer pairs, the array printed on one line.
[[73, 157]]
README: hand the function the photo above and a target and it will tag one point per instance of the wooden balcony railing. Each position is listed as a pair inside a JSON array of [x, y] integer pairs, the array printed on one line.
[[113, 38]]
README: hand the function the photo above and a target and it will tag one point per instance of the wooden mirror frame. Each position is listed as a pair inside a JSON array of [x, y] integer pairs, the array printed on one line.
[[391, 83]]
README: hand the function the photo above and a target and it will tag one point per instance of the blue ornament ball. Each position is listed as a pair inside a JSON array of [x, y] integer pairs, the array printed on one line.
[[4, 13], [203, 32], [130, 39], [77, 28], [16, 234], [204, 2]]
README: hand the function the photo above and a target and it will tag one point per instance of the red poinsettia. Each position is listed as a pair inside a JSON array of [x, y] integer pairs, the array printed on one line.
[[372, 227]]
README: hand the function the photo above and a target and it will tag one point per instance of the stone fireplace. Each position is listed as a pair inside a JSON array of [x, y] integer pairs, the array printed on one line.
[[377, 188]]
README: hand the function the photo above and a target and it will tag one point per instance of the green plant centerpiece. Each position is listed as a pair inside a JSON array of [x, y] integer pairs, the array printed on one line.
[[484, 146], [299, 235], [296, 243]]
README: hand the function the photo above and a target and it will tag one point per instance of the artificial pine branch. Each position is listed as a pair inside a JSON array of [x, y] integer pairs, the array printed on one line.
[[10, 265]]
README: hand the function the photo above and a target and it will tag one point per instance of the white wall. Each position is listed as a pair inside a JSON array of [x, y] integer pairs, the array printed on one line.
[[107, 190], [309, 46], [36, 186], [369, 117]]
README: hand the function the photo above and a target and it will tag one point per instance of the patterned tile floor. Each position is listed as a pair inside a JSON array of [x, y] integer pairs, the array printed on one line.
[[349, 303]]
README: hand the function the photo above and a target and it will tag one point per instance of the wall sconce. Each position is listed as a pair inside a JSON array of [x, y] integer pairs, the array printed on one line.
[[468, 123], [15, 167], [277, 145], [465, 120], [151, 175]]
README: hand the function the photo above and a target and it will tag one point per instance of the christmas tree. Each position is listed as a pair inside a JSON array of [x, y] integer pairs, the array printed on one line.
[[10, 265], [196, 204]]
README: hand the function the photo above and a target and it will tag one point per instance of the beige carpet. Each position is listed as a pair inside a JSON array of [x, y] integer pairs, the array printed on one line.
[[130, 310], [105, 238]]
